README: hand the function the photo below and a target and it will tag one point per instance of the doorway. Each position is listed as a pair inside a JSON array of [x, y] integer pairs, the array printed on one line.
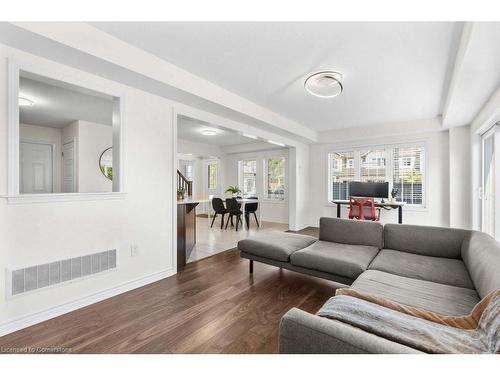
[[68, 167]]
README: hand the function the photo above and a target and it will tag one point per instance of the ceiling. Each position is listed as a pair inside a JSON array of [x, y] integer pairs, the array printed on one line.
[[190, 129], [56, 104], [476, 75], [393, 72]]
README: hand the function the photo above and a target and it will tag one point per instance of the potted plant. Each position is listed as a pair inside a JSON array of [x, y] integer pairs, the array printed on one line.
[[233, 190], [181, 193], [394, 193]]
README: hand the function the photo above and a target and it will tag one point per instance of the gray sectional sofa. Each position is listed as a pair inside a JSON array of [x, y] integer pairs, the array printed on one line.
[[443, 270]]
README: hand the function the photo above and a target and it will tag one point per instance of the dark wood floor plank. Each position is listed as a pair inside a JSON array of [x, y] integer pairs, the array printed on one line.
[[213, 306]]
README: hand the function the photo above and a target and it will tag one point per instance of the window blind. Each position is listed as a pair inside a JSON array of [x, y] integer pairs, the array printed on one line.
[[407, 175]]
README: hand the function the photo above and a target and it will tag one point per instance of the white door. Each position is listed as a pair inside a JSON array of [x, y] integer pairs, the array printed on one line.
[[68, 168], [490, 186], [36, 168]]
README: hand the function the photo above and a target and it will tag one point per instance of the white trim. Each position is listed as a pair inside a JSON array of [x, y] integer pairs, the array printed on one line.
[[43, 315], [61, 197], [175, 163], [74, 77]]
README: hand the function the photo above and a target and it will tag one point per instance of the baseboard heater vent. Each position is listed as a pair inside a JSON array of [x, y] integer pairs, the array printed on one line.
[[43, 275]]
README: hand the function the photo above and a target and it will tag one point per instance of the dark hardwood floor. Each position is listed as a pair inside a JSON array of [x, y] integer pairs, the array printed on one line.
[[213, 306]]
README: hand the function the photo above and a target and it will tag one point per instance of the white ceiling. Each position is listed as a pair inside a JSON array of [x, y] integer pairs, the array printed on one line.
[[392, 71], [56, 104], [190, 129], [476, 75]]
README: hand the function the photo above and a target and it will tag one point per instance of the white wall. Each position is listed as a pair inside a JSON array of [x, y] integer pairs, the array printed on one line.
[[45, 134], [300, 186], [275, 211], [93, 139], [40, 233], [460, 177], [437, 155]]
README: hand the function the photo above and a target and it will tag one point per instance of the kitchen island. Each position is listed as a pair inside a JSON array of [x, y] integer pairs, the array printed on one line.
[[186, 228]]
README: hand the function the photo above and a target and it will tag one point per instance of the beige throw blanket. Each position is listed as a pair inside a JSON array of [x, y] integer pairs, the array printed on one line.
[[415, 332], [470, 321]]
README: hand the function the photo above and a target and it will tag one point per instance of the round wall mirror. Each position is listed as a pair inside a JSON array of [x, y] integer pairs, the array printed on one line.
[[106, 163]]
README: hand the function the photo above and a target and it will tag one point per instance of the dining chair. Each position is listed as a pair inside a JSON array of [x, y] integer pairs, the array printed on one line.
[[219, 209], [251, 208], [233, 209]]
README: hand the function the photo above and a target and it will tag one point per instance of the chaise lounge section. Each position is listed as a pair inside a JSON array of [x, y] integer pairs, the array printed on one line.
[[442, 270]]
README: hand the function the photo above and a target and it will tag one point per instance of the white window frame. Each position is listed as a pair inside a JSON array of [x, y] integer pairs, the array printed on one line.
[[74, 77], [241, 178], [208, 165], [357, 149], [266, 182]]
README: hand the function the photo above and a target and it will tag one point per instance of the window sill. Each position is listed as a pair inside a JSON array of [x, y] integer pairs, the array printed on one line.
[[62, 197]]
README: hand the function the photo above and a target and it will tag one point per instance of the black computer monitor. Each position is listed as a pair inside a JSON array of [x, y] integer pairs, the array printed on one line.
[[369, 189]]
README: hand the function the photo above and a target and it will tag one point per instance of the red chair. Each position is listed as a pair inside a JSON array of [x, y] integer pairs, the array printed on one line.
[[363, 209]]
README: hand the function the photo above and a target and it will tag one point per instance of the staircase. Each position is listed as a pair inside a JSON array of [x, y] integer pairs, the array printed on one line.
[[183, 182]]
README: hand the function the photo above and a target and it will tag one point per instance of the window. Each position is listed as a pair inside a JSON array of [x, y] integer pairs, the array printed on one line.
[[407, 175], [212, 176], [341, 165], [275, 178], [336, 165], [248, 173], [401, 166], [373, 165], [406, 162]]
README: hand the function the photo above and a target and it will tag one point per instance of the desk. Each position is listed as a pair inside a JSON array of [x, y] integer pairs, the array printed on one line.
[[387, 205]]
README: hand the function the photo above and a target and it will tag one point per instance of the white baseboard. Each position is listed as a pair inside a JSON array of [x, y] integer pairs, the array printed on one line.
[[40, 316]]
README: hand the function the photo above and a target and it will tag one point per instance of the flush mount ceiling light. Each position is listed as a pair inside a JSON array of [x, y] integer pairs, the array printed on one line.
[[324, 84], [23, 102], [209, 132]]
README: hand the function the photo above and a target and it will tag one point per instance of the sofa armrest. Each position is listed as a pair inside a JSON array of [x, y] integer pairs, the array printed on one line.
[[302, 332]]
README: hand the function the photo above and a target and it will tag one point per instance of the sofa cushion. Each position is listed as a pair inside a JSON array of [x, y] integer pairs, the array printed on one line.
[[336, 258], [481, 255], [275, 245], [440, 270], [431, 241], [351, 232], [439, 298]]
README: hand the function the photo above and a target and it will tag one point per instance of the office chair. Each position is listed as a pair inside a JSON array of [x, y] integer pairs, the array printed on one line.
[[363, 209]]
